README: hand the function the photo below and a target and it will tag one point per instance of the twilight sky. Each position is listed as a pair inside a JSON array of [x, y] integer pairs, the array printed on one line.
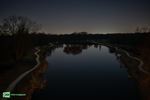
[[94, 16]]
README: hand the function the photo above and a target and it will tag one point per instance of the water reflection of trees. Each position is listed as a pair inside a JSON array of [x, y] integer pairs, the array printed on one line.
[[96, 45], [75, 48], [112, 50]]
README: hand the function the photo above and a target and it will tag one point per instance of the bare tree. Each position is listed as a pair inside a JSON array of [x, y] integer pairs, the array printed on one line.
[[142, 30], [18, 25], [137, 30], [0, 29], [21, 27], [148, 29]]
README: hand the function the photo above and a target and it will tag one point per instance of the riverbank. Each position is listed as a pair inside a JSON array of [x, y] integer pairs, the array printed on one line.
[[16, 70], [34, 80], [15, 82], [133, 64]]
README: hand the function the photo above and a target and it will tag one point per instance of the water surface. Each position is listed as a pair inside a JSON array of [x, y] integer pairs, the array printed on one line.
[[81, 70]]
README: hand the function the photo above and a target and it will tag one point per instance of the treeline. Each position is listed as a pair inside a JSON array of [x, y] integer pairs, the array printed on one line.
[[83, 37], [37, 39], [15, 47]]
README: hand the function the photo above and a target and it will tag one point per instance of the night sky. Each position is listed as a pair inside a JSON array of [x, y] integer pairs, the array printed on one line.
[[93, 16]]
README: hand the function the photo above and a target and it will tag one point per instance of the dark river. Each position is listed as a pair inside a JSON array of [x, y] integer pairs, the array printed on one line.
[[78, 70]]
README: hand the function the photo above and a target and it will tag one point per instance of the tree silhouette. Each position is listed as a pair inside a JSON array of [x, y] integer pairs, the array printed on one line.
[[142, 30], [0, 29], [137, 30], [18, 25]]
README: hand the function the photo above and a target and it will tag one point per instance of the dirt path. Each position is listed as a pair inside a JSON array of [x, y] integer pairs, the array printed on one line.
[[15, 82]]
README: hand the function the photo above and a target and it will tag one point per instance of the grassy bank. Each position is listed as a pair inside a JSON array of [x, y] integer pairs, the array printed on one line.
[[34, 81], [16, 69]]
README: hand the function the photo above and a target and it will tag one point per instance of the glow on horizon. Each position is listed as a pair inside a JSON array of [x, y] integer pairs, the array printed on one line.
[[92, 16]]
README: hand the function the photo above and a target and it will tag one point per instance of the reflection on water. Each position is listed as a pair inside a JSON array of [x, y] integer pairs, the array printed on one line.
[[74, 49], [88, 70], [94, 71]]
